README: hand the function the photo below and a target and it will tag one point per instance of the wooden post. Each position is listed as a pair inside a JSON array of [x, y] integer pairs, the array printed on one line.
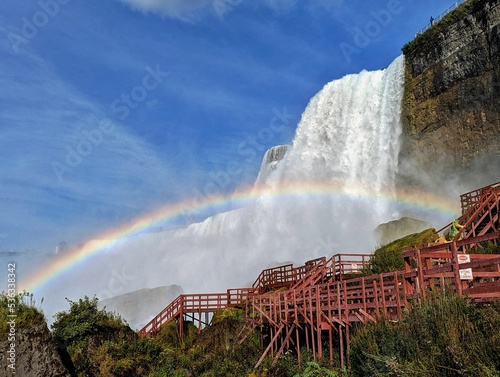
[[297, 345], [330, 339], [382, 292], [307, 339], [318, 323], [398, 299], [341, 347], [420, 277], [363, 291], [181, 320], [346, 303], [456, 268]]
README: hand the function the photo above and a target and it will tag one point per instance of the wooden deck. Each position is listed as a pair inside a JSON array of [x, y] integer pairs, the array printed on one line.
[[307, 306]]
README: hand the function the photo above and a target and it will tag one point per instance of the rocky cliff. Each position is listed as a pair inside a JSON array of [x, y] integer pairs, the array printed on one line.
[[36, 355], [138, 307], [451, 105]]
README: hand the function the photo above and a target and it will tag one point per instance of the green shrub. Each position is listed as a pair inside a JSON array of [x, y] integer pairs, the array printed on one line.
[[314, 370], [22, 307], [443, 336], [101, 344], [389, 257], [84, 320]]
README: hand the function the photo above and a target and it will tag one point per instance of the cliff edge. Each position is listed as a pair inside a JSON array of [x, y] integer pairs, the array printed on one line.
[[451, 107]]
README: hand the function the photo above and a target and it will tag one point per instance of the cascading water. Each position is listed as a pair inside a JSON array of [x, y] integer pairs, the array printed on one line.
[[270, 163], [347, 141], [349, 133]]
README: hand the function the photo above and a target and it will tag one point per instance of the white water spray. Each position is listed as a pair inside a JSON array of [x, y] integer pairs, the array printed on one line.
[[347, 138]]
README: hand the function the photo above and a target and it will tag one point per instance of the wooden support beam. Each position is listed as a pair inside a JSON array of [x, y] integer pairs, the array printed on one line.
[[318, 322], [341, 348], [270, 346], [284, 343], [265, 315], [368, 316], [456, 269], [297, 345]]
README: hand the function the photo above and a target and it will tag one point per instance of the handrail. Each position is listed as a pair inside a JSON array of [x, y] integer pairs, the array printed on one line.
[[205, 302], [475, 209], [285, 275], [440, 17], [475, 202], [471, 197]]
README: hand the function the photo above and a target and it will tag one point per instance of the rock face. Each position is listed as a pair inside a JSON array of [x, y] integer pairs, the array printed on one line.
[[451, 111], [393, 230], [138, 307], [36, 354]]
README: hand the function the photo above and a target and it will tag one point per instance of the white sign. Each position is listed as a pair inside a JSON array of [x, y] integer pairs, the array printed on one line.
[[463, 258], [466, 274]]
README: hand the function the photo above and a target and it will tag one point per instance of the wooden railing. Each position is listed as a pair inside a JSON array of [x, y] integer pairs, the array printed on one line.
[[347, 265], [482, 213], [284, 276], [196, 304], [472, 197]]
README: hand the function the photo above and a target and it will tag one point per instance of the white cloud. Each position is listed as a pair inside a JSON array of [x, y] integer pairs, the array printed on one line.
[[193, 10], [186, 10]]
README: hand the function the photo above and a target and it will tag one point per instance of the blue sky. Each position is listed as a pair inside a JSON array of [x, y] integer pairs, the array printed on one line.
[[110, 108]]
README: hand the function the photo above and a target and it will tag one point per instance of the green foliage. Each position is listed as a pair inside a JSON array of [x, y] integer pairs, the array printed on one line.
[[131, 356], [168, 336], [21, 306], [228, 313], [488, 248], [314, 370], [217, 352], [443, 336], [84, 320], [389, 257], [101, 344]]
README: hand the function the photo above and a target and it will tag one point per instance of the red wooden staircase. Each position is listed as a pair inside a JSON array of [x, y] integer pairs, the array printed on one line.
[[307, 306]]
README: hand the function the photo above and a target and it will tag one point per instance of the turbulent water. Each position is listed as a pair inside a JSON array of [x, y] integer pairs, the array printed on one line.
[[347, 140]]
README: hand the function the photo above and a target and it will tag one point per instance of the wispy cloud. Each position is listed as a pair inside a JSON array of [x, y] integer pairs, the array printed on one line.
[[43, 119], [194, 10], [186, 10]]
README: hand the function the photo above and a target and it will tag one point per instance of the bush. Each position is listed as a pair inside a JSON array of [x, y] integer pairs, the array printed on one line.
[[22, 306], [101, 344], [314, 370], [84, 320], [443, 336], [389, 257]]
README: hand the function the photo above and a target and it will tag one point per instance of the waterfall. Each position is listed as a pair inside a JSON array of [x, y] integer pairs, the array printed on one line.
[[349, 133], [347, 139], [270, 162]]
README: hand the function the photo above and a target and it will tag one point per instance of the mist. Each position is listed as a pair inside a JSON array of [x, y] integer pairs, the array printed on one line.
[[324, 195]]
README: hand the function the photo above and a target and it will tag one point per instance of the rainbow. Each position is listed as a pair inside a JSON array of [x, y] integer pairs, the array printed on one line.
[[414, 199]]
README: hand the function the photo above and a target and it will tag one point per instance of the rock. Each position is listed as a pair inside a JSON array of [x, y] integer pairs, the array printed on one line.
[[138, 307], [36, 354], [451, 105], [393, 230]]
